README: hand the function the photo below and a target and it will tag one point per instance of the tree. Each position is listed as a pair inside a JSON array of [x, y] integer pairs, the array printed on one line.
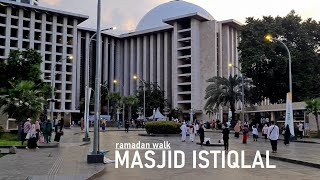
[[226, 92], [210, 110], [114, 100], [23, 100], [313, 106], [20, 66], [267, 62], [130, 101], [154, 97]]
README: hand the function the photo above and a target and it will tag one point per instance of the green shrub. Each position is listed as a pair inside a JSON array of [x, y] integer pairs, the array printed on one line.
[[9, 137], [163, 127]]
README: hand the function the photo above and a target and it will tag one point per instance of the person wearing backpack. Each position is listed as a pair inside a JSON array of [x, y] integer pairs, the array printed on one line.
[[273, 135]]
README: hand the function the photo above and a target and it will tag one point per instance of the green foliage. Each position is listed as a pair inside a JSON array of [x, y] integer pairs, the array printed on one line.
[[313, 106], [8, 137], [20, 66], [130, 101], [154, 97], [226, 92], [267, 62], [23, 100], [210, 110], [162, 127]]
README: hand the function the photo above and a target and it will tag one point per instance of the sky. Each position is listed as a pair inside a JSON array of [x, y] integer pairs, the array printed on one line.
[[126, 14]]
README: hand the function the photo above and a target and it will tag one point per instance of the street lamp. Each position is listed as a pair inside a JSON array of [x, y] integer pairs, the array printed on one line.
[[53, 76], [87, 89], [135, 77], [269, 38], [242, 88]]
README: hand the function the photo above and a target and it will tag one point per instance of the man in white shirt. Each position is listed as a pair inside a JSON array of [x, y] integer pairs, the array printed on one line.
[[300, 126], [273, 135]]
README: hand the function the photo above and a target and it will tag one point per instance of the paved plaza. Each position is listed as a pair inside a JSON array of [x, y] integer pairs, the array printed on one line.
[[68, 161], [302, 151]]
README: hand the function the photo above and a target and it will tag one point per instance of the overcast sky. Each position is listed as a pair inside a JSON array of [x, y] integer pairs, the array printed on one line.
[[125, 14]]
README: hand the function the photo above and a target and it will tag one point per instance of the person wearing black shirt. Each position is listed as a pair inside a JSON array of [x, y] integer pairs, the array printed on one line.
[[225, 137], [201, 133]]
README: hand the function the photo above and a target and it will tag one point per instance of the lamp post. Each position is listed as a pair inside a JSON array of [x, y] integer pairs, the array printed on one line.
[[116, 82], [269, 38], [135, 77], [242, 89], [191, 115], [87, 89], [53, 78]]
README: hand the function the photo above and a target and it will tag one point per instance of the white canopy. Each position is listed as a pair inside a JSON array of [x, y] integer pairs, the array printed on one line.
[[141, 117], [157, 115]]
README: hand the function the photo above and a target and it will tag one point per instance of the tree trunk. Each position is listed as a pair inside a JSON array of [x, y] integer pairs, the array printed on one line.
[[317, 121], [232, 108], [129, 114]]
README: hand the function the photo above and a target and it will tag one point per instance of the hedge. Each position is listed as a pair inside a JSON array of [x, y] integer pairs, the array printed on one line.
[[162, 127]]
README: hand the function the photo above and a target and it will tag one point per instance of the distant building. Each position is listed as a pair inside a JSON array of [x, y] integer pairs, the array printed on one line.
[[31, 2]]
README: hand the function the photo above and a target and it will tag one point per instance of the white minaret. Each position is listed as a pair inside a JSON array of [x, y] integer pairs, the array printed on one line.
[[31, 2]]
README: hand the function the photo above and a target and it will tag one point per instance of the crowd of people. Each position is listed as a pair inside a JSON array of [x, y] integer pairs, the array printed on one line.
[[40, 132], [270, 131]]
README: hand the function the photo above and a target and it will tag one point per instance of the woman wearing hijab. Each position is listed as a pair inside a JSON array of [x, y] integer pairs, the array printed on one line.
[[287, 135], [265, 132], [192, 132], [32, 138], [237, 130], [201, 134], [183, 132]]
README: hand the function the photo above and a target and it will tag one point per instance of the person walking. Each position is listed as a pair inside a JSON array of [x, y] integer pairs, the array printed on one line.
[[237, 130], [192, 132], [59, 132], [32, 138], [265, 132], [47, 132], [126, 126], [245, 132], [26, 129], [255, 133], [273, 135], [201, 134], [300, 127], [287, 135], [225, 137], [183, 132], [197, 127]]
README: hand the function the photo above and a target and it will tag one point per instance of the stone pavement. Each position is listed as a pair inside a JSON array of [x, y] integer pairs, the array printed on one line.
[[68, 161], [284, 170]]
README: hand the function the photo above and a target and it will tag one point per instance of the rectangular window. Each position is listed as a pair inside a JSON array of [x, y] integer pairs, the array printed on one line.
[[14, 22]]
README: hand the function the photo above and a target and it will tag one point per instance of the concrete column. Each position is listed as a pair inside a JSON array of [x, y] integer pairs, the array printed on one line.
[[8, 34], [126, 68], [112, 65], [43, 41], [174, 65], [105, 63], [195, 65], [231, 44], [78, 69], [31, 34], [236, 54], [133, 65], [152, 58], [75, 87], [64, 54], [145, 58], [160, 60], [139, 60], [165, 64], [20, 29], [119, 64]]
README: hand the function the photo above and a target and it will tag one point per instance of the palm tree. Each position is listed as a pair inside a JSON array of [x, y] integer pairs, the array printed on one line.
[[226, 92], [210, 110], [114, 100], [23, 100], [313, 106], [130, 101]]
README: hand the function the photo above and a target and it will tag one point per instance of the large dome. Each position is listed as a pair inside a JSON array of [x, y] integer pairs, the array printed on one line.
[[170, 9]]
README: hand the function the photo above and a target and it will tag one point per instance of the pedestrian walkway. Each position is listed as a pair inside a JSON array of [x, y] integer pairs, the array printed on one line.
[[68, 161]]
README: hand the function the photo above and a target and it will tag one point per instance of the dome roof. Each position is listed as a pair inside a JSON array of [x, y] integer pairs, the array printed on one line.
[[154, 17]]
